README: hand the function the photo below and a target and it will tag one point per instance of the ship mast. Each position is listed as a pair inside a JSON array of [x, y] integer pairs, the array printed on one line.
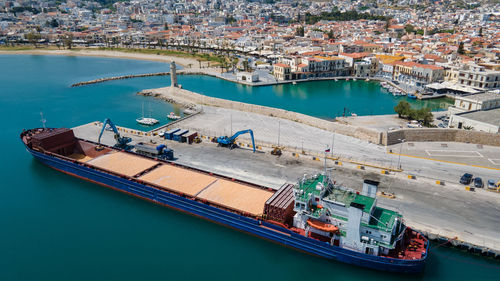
[[326, 175], [42, 119]]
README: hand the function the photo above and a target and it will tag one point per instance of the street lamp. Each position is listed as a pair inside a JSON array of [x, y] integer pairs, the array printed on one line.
[[400, 149]]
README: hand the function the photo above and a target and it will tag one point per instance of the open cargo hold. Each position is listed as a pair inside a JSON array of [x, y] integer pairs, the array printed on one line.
[[60, 141], [178, 179], [123, 163], [236, 196], [280, 206], [170, 133], [177, 136]]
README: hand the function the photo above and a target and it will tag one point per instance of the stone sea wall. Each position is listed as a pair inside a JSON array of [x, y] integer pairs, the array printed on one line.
[[445, 135]]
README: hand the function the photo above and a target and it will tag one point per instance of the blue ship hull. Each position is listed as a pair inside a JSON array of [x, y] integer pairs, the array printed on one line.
[[247, 224]]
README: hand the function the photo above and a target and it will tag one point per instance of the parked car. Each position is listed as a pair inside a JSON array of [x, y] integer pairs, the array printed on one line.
[[478, 182], [466, 178], [414, 124], [493, 185], [441, 125]]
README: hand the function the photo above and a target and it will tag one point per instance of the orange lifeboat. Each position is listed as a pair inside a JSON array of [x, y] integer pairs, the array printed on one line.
[[322, 226]]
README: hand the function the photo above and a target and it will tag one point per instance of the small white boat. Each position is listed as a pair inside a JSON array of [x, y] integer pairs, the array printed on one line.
[[173, 116], [354, 115], [189, 111], [147, 121], [294, 83]]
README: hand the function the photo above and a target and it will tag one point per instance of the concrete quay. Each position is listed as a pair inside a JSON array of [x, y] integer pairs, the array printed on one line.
[[313, 135], [441, 212]]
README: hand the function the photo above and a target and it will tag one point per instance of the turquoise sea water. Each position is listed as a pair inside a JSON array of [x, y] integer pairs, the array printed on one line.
[[56, 227], [324, 99]]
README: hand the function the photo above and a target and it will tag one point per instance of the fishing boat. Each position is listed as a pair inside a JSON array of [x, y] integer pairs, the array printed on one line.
[[173, 116]]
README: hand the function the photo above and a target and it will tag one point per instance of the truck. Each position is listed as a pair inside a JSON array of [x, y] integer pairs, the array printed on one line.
[[160, 151]]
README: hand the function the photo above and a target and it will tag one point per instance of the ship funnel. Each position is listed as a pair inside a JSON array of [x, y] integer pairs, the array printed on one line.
[[370, 188]]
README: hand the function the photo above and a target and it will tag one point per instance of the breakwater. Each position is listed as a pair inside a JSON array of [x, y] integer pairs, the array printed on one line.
[[100, 80], [182, 71]]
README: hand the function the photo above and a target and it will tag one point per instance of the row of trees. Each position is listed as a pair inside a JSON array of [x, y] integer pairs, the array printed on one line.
[[404, 110], [411, 29], [336, 15]]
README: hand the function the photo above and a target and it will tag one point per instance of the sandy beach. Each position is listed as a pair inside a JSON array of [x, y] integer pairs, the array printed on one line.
[[185, 62]]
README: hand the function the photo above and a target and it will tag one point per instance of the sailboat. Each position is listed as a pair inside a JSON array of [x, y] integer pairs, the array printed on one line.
[[146, 120]]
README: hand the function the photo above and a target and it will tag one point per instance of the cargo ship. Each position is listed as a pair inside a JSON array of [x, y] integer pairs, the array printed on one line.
[[314, 215]]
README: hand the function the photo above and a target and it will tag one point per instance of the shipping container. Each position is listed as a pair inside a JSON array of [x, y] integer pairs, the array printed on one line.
[[189, 138], [170, 134], [178, 136]]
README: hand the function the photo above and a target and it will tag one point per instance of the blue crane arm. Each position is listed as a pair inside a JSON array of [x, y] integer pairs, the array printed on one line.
[[253, 142], [231, 139], [106, 122]]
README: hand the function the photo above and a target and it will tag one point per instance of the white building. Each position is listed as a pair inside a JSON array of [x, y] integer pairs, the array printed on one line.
[[479, 78], [479, 120], [247, 76], [484, 101]]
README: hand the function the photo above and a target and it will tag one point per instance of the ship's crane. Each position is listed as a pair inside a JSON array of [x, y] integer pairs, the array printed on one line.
[[121, 142], [231, 141]]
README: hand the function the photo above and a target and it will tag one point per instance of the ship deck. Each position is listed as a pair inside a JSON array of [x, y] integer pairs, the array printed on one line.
[[217, 190]]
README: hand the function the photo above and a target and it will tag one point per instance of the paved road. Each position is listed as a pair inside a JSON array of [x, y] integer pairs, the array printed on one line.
[[271, 130]]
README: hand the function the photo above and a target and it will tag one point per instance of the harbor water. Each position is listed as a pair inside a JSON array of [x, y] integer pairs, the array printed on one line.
[[56, 227]]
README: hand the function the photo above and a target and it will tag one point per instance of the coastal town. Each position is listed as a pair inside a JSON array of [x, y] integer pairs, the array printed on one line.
[[362, 132], [423, 49]]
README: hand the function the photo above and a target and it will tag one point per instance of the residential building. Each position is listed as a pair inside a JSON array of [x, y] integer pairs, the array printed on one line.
[[479, 77], [282, 71]]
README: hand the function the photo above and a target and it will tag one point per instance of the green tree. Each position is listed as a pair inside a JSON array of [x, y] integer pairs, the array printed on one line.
[[425, 115], [461, 48], [54, 23], [409, 28], [33, 38], [330, 34], [402, 109], [299, 31], [166, 26], [481, 32], [68, 41]]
